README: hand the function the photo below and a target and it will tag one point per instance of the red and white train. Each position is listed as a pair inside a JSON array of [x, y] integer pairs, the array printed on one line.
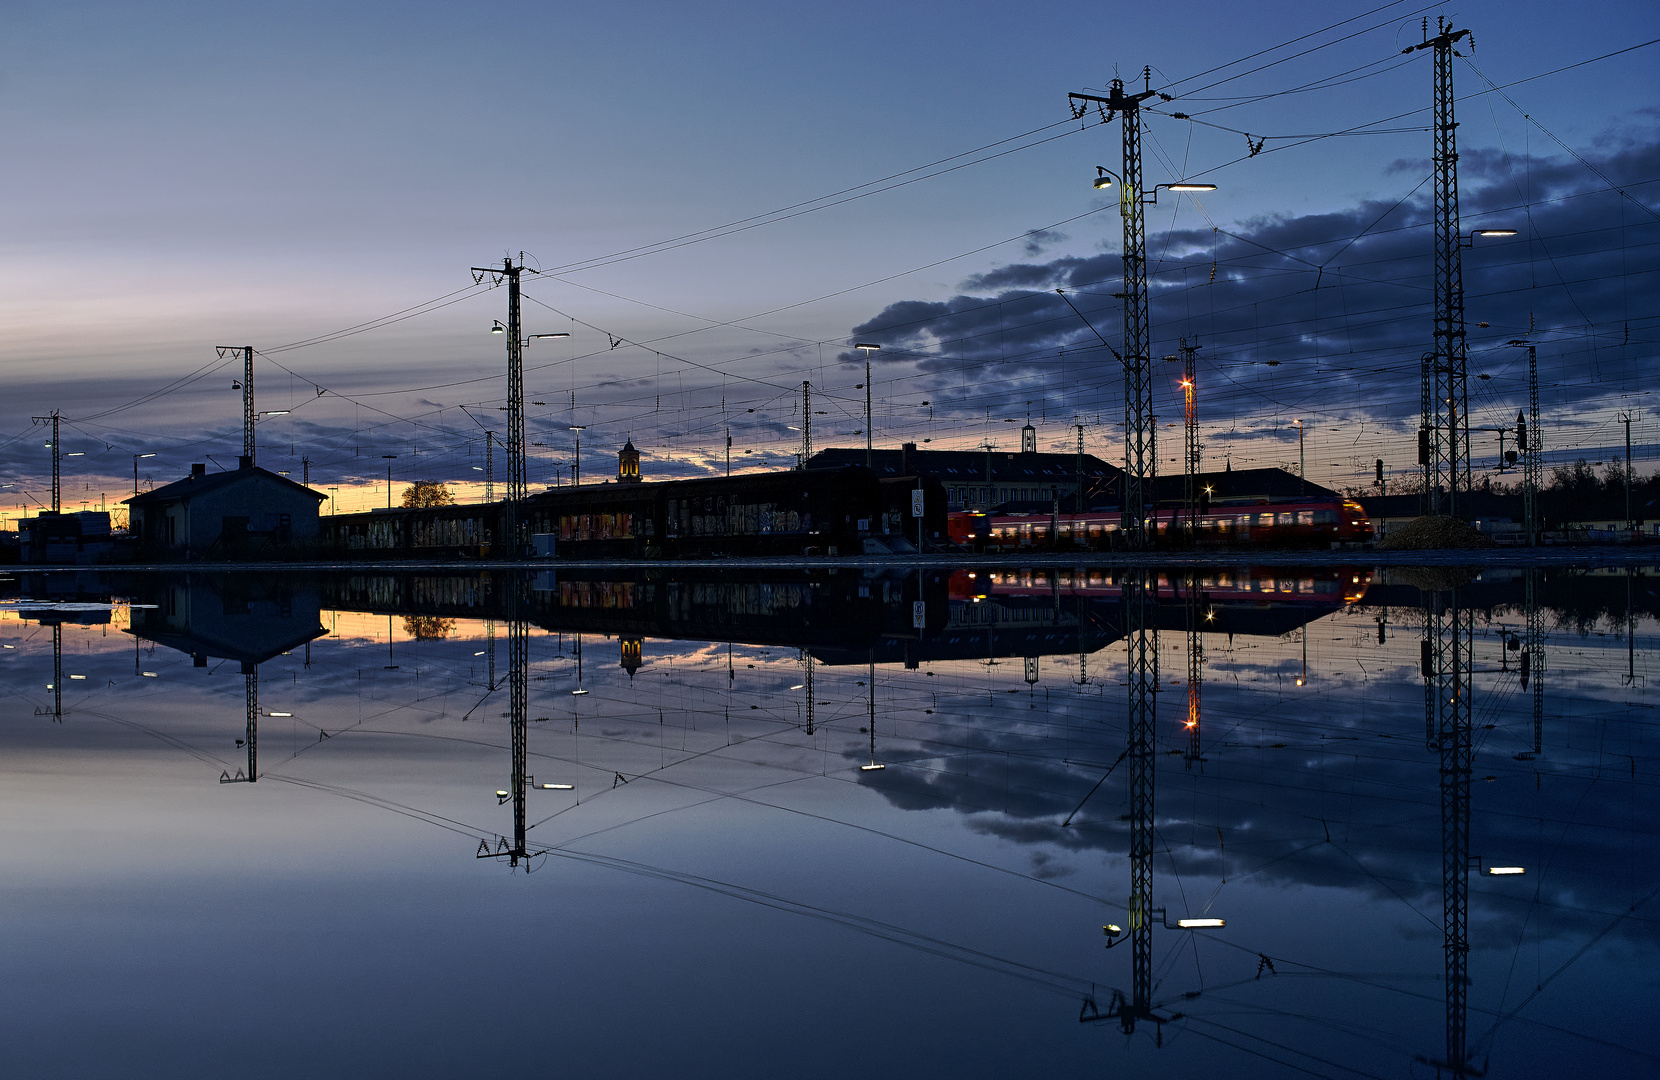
[[1300, 523]]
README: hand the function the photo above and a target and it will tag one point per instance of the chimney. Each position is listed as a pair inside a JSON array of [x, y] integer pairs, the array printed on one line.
[[244, 462], [198, 469], [905, 452]]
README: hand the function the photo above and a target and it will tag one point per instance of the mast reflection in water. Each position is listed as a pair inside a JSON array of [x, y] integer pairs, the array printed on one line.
[[1348, 822]]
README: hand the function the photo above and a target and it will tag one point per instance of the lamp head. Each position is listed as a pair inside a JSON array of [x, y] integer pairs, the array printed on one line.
[[497, 328]]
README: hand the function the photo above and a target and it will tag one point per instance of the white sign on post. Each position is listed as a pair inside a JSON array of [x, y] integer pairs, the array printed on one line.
[[919, 615], [916, 503]]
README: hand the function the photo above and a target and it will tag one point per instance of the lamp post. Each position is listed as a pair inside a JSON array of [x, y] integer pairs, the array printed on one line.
[[390, 458], [135, 472], [868, 349], [1302, 473]]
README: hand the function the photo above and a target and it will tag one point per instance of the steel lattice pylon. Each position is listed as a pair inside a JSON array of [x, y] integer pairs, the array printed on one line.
[[518, 698], [1190, 416], [1533, 660], [1140, 427], [1140, 453], [1143, 678], [518, 680], [1449, 649], [57, 667], [1532, 451], [1195, 670], [515, 443], [1445, 405], [251, 686], [248, 440]]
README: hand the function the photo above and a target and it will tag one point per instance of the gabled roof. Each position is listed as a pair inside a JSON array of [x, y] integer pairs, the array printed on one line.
[[191, 486]]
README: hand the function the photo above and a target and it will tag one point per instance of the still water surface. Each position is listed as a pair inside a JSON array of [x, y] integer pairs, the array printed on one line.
[[630, 824]]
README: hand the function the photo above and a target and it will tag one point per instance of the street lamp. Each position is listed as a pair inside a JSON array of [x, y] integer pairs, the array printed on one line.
[[1302, 472], [1105, 178], [1470, 240], [868, 349], [1115, 933], [135, 474]]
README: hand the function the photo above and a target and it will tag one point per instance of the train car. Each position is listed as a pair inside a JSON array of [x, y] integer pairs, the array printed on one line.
[[1232, 585], [811, 512], [1301, 523], [800, 512]]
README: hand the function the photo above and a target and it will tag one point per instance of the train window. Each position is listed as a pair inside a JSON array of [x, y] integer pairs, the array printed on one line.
[[1305, 517], [1264, 520], [1325, 517]]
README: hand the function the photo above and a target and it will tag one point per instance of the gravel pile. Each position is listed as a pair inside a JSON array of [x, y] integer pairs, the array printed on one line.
[[1433, 533]]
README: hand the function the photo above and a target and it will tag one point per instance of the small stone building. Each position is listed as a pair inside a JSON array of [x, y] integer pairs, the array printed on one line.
[[245, 513]]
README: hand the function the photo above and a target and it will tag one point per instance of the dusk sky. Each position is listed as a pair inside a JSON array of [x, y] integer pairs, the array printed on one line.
[[183, 176]]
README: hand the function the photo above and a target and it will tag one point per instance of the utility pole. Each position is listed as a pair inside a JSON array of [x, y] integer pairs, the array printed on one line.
[[1446, 416], [518, 682], [305, 471], [509, 272], [1190, 497], [489, 466], [57, 672], [871, 697], [807, 685], [1195, 669], [1630, 522], [1139, 429], [135, 478], [247, 353], [1078, 506], [1142, 672], [57, 455], [1302, 461], [806, 422], [250, 736], [868, 349], [1447, 662], [390, 458], [1530, 444], [576, 459]]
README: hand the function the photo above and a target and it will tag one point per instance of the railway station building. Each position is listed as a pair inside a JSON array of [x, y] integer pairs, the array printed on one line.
[[982, 479], [246, 512]]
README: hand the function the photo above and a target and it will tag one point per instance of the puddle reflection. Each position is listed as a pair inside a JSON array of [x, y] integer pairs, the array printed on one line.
[[1336, 819]]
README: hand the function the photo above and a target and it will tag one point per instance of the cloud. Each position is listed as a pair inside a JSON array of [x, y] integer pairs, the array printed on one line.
[[1327, 314]]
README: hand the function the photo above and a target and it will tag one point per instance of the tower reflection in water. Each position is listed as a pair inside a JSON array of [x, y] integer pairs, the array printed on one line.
[[1295, 717]]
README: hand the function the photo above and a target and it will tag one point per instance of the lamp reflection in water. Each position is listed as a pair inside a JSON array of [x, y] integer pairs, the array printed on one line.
[[870, 685]]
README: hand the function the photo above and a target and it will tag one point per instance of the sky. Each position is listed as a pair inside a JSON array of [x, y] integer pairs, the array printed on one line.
[[723, 199]]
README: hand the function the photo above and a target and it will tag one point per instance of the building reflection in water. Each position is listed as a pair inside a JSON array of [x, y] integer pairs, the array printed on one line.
[[852, 651]]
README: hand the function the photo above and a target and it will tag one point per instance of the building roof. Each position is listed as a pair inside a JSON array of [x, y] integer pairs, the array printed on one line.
[[191, 486], [965, 466], [1242, 486]]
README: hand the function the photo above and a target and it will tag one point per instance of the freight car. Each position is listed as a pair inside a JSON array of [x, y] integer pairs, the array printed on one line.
[[800, 512]]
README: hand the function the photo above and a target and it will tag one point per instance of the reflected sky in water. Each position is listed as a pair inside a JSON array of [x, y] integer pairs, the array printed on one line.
[[722, 890]]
